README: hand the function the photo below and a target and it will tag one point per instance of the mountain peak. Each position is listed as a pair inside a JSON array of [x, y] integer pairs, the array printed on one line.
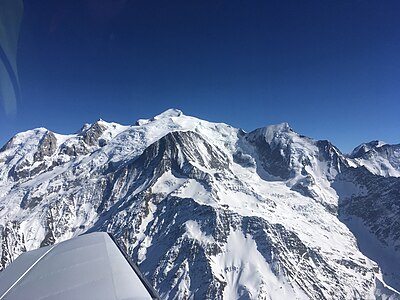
[[169, 113], [281, 127], [271, 131], [365, 147]]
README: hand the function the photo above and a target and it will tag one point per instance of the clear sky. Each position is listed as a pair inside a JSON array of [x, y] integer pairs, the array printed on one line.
[[330, 68]]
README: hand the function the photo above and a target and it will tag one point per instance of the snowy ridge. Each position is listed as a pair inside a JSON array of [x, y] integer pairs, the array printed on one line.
[[207, 210], [379, 158]]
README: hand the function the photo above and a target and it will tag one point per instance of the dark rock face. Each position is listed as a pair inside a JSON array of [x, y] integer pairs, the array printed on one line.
[[75, 149], [329, 153], [177, 151], [11, 241], [378, 206], [373, 216], [274, 159], [18, 171], [47, 146], [88, 137], [92, 134], [277, 244]]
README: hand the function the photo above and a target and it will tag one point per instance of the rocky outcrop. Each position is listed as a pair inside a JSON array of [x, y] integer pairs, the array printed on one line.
[[93, 133], [47, 146]]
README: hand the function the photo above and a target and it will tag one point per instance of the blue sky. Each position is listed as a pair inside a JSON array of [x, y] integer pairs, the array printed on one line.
[[331, 69]]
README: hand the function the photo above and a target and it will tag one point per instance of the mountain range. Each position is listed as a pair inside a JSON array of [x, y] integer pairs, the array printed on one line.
[[209, 211]]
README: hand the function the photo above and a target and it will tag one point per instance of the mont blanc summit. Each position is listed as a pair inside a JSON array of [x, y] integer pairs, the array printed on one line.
[[208, 211]]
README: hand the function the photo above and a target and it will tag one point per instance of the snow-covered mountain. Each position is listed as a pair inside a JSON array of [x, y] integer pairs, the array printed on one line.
[[379, 158], [209, 211]]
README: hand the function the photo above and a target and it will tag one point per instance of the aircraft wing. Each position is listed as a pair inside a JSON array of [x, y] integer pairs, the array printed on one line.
[[90, 266]]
